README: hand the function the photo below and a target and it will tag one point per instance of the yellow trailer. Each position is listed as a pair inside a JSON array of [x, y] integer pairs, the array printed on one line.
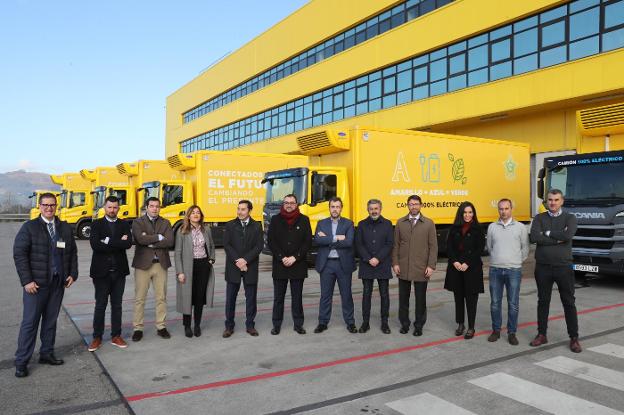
[[216, 181], [140, 172], [390, 165]]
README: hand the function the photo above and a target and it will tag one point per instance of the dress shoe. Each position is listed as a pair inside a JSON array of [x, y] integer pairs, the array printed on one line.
[[300, 330], [417, 332], [460, 330], [404, 329], [320, 328], [352, 329], [137, 335], [119, 342], [95, 344], [164, 333], [364, 328], [385, 329], [469, 334], [21, 372], [575, 346], [512, 339], [252, 332], [187, 331], [539, 340], [227, 333], [276, 330], [197, 331], [495, 335], [50, 359]]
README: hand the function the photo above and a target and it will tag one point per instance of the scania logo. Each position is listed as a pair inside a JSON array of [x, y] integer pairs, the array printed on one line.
[[589, 215]]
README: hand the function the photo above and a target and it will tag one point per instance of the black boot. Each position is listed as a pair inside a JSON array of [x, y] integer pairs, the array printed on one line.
[[197, 316], [186, 320]]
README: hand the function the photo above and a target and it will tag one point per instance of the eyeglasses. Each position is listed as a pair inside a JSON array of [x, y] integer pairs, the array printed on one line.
[[45, 205], [290, 203]]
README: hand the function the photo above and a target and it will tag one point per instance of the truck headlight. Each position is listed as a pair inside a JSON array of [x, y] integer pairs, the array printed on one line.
[[619, 218]]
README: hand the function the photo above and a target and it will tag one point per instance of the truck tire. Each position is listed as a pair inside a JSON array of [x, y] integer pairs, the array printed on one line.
[[83, 231]]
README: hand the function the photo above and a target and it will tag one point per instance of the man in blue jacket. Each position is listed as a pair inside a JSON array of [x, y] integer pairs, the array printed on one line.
[[47, 262], [335, 262]]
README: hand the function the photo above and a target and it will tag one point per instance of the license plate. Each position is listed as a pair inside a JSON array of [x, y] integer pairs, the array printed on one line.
[[586, 268]]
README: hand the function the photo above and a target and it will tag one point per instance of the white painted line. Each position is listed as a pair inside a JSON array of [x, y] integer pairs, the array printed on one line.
[[609, 349], [426, 403], [540, 397], [586, 371]]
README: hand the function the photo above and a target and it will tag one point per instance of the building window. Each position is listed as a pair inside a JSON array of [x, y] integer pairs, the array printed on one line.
[[573, 31]]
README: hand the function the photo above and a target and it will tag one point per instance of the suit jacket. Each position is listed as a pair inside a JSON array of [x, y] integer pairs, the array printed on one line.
[[326, 243], [374, 239], [415, 247], [247, 246], [147, 245], [32, 252], [285, 241], [113, 254]]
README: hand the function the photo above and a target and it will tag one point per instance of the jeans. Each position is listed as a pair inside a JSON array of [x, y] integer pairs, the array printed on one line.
[[509, 279]]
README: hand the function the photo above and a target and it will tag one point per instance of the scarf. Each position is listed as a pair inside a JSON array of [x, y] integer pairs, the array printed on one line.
[[291, 217]]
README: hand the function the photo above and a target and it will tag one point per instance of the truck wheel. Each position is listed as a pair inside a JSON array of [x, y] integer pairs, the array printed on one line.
[[84, 230]]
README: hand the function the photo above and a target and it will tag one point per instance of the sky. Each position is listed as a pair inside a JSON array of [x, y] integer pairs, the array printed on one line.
[[84, 83]]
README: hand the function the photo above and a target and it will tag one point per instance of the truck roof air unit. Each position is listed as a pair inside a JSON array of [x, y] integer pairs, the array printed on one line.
[[601, 121], [56, 178], [88, 174], [181, 161], [128, 169], [323, 142]]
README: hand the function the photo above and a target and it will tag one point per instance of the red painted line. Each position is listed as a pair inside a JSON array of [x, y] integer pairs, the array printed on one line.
[[308, 368]]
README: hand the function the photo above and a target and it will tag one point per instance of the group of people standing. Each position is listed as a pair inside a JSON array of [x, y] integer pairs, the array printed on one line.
[[46, 260]]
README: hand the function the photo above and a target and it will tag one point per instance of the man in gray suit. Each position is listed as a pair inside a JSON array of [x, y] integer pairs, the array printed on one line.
[[335, 262]]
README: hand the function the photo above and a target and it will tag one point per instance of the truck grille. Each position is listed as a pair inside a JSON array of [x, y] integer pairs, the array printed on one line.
[[595, 232], [592, 244]]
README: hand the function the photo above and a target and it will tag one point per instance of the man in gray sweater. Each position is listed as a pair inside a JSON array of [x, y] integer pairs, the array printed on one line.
[[508, 245], [553, 231]]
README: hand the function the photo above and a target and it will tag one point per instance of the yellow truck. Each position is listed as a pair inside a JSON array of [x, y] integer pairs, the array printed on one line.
[[76, 202], [390, 165], [216, 181], [101, 179], [34, 201], [140, 172]]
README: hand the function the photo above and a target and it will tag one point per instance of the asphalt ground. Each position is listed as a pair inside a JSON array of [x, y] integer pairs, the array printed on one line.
[[330, 373]]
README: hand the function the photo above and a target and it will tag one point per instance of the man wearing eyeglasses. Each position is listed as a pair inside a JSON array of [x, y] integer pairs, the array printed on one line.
[[289, 238], [47, 262]]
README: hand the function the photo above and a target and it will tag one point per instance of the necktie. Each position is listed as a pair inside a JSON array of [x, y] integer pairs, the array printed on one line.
[[51, 230], [244, 227], [413, 221]]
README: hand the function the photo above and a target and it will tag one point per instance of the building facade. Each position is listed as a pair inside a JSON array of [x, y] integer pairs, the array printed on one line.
[[511, 70]]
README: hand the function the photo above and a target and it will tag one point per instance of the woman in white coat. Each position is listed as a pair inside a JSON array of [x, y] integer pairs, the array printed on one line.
[[194, 256]]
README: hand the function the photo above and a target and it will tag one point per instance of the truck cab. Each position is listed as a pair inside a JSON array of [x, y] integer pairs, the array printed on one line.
[[125, 196], [175, 198], [313, 187], [75, 206], [593, 188]]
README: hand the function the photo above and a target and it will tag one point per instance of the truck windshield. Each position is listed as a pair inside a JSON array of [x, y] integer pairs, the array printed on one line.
[[279, 187], [589, 182], [77, 199], [63, 199], [98, 199], [150, 192]]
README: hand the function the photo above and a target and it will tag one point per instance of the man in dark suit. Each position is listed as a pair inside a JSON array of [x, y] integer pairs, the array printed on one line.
[[335, 262], [289, 237], [243, 242], [153, 236], [47, 262], [110, 238], [374, 239]]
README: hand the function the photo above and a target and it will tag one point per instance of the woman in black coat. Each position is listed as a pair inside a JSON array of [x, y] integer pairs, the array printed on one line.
[[464, 273]]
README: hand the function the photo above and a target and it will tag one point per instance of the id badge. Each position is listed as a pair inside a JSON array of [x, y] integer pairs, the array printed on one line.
[[60, 244]]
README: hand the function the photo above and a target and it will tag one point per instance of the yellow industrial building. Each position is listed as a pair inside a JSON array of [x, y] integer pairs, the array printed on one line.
[[511, 70]]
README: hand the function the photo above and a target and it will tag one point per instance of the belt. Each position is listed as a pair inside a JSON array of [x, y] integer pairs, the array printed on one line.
[[334, 258]]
